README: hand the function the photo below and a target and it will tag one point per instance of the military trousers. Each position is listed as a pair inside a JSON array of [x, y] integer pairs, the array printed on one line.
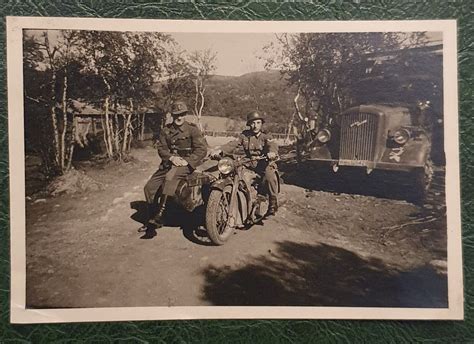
[[166, 179], [268, 172]]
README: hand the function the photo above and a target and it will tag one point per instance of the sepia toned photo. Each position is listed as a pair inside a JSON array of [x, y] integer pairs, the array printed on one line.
[[277, 170]]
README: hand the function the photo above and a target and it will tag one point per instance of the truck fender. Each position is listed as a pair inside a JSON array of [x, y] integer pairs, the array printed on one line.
[[414, 153]]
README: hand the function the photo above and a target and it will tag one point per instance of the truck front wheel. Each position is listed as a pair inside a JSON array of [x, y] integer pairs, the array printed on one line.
[[422, 181]]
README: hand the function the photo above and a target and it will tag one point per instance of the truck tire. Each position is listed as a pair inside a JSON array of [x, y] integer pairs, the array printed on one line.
[[422, 182]]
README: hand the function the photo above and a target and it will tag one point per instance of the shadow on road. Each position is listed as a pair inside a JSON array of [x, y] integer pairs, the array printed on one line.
[[189, 223], [322, 275], [382, 184], [351, 181], [141, 214], [192, 225]]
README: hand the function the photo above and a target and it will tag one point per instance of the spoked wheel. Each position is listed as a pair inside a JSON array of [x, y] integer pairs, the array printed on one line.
[[217, 215]]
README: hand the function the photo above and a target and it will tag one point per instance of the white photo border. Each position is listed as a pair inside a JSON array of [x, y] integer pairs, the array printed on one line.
[[18, 311]]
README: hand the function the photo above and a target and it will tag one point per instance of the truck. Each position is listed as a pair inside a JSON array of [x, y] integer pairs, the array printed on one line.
[[392, 138]]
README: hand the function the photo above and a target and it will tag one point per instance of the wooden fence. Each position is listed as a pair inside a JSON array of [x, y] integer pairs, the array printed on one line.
[[277, 136]]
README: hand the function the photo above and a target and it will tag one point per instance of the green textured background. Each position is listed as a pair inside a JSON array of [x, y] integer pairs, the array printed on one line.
[[271, 331]]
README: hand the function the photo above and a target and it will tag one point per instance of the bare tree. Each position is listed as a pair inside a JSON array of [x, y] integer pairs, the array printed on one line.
[[202, 64], [104, 58], [67, 54], [52, 61]]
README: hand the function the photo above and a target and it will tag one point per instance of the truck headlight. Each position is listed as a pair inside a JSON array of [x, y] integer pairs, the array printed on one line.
[[225, 165], [401, 136], [323, 136]]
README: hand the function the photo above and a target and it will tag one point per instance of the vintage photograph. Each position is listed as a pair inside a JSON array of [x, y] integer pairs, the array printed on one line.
[[180, 168]]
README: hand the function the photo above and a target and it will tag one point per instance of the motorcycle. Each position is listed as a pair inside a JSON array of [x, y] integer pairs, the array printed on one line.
[[231, 193]]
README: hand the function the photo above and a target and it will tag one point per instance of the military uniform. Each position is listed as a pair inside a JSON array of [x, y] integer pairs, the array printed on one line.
[[185, 141], [176, 140], [255, 145]]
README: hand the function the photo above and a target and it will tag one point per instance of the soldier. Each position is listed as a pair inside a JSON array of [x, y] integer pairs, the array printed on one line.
[[256, 143], [181, 147]]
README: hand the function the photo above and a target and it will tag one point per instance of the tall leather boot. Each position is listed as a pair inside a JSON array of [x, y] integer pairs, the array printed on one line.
[[272, 206], [150, 214], [150, 232], [150, 229], [157, 220]]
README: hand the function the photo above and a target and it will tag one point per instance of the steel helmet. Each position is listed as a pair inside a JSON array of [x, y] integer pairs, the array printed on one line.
[[254, 115], [178, 108]]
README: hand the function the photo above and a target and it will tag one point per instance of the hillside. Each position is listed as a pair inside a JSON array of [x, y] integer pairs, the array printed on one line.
[[234, 97], [217, 123]]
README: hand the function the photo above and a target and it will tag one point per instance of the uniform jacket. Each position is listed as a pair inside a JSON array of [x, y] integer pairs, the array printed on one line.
[[185, 141], [251, 144]]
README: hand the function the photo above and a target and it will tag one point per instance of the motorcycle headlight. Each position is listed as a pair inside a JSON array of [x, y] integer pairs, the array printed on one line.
[[225, 165], [323, 136], [401, 136]]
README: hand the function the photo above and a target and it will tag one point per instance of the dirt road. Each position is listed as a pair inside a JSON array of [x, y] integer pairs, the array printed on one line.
[[323, 248]]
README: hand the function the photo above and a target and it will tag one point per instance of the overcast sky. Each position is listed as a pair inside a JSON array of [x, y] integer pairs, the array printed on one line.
[[236, 52]]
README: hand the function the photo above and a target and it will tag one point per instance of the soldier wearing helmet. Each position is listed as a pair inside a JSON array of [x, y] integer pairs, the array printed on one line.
[[181, 147], [255, 143]]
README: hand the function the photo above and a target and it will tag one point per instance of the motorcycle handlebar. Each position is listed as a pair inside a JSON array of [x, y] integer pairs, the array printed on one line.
[[245, 160]]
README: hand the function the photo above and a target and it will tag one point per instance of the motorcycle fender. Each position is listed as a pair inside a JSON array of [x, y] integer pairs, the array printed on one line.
[[221, 184], [242, 211]]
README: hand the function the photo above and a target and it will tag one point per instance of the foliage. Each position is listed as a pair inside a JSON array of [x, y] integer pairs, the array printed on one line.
[[410, 76], [49, 124], [127, 65], [327, 68], [125, 74], [115, 71], [176, 81], [267, 92]]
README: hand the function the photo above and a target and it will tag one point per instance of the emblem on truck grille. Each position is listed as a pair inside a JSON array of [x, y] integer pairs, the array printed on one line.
[[358, 123], [396, 153]]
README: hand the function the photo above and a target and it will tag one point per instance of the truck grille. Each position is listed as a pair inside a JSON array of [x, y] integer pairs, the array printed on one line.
[[358, 134]]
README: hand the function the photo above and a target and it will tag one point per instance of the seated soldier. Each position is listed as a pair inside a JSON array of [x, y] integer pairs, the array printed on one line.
[[181, 147], [256, 143]]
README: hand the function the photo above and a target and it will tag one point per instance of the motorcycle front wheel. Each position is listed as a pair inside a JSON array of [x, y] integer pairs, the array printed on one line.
[[217, 215]]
